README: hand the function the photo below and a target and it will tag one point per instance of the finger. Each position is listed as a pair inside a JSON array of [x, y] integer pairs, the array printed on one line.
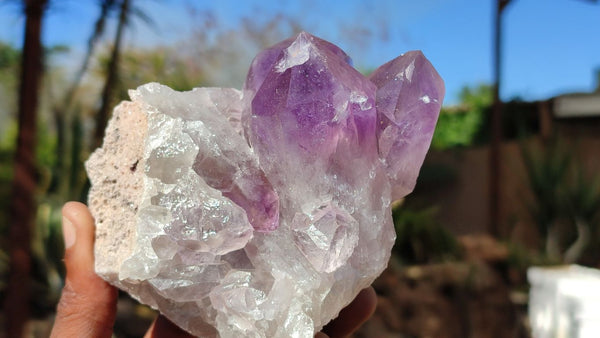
[[162, 327], [87, 306], [353, 315]]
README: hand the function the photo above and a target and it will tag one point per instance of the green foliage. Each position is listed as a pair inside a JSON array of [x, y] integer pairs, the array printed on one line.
[[47, 250], [158, 64], [479, 97], [7, 153], [7, 145], [9, 57], [456, 128], [469, 123], [9, 73], [459, 127], [420, 237], [45, 152], [521, 257], [583, 197], [8, 138]]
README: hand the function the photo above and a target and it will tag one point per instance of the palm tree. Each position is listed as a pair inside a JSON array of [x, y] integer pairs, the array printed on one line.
[[106, 7], [66, 106], [112, 74], [16, 310], [126, 10]]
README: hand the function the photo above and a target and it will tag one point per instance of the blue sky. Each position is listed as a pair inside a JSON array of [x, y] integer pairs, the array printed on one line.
[[550, 47]]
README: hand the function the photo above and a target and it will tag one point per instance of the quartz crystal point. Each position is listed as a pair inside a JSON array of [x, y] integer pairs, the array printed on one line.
[[409, 97], [261, 213]]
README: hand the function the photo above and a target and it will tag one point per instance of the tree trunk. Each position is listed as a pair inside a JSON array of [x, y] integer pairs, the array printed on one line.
[[111, 77], [22, 203]]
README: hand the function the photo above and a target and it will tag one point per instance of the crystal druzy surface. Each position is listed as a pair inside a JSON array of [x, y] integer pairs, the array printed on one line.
[[261, 213]]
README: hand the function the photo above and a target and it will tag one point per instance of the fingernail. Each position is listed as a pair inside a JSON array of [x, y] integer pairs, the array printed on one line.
[[69, 234]]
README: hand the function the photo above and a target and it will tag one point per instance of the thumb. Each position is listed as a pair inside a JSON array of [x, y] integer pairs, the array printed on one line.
[[87, 305]]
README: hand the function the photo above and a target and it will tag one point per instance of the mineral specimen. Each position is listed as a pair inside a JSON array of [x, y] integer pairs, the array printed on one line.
[[261, 213]]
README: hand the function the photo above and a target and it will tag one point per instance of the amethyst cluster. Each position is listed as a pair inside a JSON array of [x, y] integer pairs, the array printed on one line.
[[261, 213]]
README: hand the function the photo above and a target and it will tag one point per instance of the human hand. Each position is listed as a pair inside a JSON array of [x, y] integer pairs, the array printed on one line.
[[88, 304]]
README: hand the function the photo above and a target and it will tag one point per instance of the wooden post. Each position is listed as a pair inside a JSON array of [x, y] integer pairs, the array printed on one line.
[[495, 177]]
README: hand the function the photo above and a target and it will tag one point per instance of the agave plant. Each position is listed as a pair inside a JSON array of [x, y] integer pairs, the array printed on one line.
[[565, 201]]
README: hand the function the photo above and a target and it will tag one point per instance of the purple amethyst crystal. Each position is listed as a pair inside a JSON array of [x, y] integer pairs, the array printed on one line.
[[305, 101], [261, 213]]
